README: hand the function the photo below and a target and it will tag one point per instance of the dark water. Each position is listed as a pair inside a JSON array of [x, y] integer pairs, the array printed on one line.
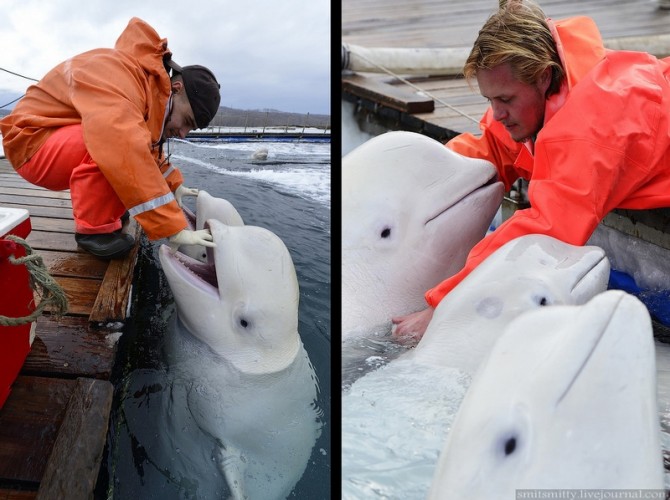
[[289, 194]]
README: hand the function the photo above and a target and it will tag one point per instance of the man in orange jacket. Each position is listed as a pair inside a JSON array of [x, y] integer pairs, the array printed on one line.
[[96, 124], [588, 127]]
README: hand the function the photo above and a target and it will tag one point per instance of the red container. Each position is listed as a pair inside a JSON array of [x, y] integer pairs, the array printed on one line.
[[16, 298]]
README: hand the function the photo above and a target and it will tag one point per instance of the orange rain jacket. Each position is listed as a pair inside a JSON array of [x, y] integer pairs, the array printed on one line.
[[120, 98], [605, 144]]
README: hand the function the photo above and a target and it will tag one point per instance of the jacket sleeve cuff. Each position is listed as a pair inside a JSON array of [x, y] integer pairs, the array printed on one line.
[[162, 222], [172, 176]]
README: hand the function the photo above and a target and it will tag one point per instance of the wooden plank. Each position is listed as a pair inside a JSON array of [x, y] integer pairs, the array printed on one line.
[[71, 347], [30, 201], [35, 191], [41, 211], [457, 107], [9, 172], [42, 240], [111, 304], [72, 469], [453, 23], [74, 265], [423, 123], [401, 99], [81, 294], [29, 423], [16, 181], [52, 225]]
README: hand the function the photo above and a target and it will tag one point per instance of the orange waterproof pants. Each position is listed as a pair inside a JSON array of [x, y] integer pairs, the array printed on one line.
[[63, 162]]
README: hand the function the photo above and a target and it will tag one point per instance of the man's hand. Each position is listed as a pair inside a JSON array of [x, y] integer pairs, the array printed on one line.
[[187, 237], [412, 325], [182, 191]]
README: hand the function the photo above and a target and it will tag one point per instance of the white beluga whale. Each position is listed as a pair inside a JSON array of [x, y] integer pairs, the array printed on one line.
[[526, 273], [208, 207], [245, 375], [260, 154], [412, 209], [565, 400], [413, 399]]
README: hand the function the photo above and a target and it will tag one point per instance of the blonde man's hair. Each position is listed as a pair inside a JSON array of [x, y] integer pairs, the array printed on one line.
[[517, 34]]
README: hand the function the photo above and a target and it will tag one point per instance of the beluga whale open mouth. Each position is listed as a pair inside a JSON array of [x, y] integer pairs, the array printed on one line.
[[198, 274], [242, 375], [243, 301]]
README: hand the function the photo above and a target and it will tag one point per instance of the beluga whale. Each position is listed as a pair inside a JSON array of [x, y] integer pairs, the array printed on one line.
[[413, 399], [412, 209], [526, 273], [260, 154], [565, 400], [239, 363]]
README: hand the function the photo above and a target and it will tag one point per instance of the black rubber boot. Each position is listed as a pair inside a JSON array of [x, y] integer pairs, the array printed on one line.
[[106, 246]]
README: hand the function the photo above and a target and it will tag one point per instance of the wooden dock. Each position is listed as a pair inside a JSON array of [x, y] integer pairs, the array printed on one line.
[[388, 102], [53, 425]]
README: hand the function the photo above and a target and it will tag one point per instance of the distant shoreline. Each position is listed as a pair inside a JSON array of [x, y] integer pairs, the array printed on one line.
[[231, 117]]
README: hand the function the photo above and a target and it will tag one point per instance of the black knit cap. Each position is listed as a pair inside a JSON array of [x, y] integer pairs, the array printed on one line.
[[202, 91]]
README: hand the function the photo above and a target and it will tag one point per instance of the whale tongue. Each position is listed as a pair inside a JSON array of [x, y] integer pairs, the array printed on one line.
[[204, 271]]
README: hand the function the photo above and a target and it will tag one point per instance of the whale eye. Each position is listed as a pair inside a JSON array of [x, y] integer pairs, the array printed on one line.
[[542, 300], [512, 441], [386, 232], [510, 446]]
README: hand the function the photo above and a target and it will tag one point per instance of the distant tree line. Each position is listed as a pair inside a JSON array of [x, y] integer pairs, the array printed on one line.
[[230, 117]]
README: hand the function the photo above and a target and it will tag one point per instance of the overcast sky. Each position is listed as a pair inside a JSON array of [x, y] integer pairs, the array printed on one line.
[[265, 53]]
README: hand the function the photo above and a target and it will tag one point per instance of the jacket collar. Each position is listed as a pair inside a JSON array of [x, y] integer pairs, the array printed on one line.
[[580, 48]]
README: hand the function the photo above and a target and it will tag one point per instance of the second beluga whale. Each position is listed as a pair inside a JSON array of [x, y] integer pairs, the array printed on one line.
[[411, 211], [413, 399], [566, 400], [526, 273]]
